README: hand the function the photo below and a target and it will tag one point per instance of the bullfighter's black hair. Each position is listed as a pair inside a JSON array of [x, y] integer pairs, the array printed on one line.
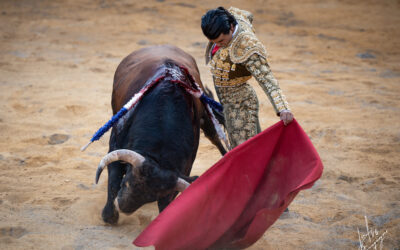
[[216, 22]]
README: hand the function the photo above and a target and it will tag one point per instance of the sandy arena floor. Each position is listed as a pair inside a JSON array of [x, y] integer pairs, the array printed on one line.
[[337, 61]]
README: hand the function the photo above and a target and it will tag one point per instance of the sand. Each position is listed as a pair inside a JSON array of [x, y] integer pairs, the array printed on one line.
[[337, 61]]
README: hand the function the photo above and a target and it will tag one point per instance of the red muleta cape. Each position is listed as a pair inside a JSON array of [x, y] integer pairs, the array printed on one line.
[[234, 202]]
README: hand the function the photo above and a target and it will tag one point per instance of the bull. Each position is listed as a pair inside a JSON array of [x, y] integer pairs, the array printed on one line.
[[151, 152]]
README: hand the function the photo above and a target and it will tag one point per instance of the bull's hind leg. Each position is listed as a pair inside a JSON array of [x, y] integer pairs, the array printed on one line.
[[116, 172]]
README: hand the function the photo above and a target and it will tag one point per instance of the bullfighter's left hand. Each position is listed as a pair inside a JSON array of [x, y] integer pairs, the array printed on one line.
[[286, 116]]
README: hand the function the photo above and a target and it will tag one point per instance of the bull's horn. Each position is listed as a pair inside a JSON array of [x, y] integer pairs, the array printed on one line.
[[125, 155], [181, 185]]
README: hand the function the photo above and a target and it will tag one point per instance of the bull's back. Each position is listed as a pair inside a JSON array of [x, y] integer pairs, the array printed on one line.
[[141, 65]]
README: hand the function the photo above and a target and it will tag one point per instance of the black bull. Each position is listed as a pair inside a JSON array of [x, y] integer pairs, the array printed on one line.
[[160, 135]]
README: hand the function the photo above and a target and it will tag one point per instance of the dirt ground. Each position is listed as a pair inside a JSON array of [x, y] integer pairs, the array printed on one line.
[[337, 61]]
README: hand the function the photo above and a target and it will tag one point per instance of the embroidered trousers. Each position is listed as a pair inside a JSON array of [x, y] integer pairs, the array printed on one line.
[[241, 112]]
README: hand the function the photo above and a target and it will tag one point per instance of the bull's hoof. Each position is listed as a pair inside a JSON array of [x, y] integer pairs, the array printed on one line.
[[110, 215]]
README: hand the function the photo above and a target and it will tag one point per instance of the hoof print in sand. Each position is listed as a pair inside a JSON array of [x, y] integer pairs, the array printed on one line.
[[15, 232], [58, 139]]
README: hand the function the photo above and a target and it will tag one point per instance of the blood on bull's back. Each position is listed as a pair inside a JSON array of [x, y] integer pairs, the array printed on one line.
[[139, 66]]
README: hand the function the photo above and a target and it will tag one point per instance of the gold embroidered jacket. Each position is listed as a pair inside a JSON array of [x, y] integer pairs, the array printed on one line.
[[244, 57]]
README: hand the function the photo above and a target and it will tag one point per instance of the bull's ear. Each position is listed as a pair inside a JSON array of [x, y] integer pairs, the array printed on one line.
[[158, 178], [147, 168]]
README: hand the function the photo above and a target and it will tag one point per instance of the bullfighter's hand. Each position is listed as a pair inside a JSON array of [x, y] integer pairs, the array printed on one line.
[[286, 116]]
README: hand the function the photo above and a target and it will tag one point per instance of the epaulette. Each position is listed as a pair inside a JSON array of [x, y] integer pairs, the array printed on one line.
[[245, 45], [243, 15]]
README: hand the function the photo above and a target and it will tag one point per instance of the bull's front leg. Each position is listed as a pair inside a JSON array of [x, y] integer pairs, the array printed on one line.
[[116, 172], [163, 202]]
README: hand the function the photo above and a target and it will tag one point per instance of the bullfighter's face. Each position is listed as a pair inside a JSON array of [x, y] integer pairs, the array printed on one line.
[[224, 39]]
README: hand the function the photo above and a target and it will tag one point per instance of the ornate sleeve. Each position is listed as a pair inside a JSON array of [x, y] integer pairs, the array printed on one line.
[[259, 68]]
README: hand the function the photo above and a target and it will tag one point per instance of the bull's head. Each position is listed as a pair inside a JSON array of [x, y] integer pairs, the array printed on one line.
[[135, 187]]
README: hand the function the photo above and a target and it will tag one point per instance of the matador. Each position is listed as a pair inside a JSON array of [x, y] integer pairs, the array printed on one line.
[[234, 55]]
